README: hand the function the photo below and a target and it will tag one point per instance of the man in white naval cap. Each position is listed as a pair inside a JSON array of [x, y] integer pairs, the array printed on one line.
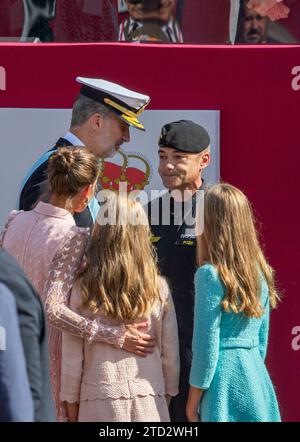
[[101, 116]]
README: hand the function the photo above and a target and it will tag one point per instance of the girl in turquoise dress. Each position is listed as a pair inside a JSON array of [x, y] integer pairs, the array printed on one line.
[[234, 290]]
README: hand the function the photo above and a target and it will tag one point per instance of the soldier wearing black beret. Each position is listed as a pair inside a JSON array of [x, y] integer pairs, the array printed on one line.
[[184, 151]]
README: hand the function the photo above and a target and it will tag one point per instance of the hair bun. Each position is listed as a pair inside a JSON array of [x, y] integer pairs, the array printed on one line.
[[63, 160], [70, 169]]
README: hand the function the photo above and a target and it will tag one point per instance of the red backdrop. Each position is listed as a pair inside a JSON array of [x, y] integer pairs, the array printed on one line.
[[260, 151]]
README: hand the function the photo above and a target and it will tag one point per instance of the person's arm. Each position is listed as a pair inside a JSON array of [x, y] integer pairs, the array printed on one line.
[[264, 331], [16, 403], [61, 278], [72, 362], [71, 374], [192, 405], [206, 335], [33, 333], [12, 215], [72, 411], [170, 347]]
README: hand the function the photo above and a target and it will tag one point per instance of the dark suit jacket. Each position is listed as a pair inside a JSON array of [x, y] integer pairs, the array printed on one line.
[[15, 397], [34, 336]]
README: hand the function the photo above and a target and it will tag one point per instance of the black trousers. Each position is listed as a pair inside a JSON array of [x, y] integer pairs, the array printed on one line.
[[178, 403]]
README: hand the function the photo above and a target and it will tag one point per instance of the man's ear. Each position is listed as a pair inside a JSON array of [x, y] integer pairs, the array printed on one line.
[[96, 121], [205, 159]]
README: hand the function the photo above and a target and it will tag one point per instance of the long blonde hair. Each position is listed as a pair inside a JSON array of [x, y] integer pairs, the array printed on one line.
[[230, 243], [121, 276]]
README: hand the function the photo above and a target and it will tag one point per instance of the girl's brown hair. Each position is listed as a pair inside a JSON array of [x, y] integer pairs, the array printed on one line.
[[230, 242], [121, 276], [70, 169]]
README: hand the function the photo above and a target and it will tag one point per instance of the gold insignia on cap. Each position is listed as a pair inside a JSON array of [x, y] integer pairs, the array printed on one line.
[[133, 121], [127, 115], [142, 109], [119, 108]]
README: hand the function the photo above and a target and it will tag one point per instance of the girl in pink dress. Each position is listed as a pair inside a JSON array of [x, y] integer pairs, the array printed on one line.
[[120, 285]]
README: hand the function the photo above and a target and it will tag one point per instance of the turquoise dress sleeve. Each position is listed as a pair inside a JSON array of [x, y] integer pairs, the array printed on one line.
[[264, 331], [207, 318]]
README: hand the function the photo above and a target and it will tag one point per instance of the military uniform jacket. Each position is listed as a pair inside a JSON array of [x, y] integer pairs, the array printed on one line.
[[176, 249]]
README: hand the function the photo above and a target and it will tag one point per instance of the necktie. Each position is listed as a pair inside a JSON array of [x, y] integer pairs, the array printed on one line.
[[169, 33]]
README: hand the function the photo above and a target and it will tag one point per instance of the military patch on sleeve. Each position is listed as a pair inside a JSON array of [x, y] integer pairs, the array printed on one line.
[[186, 240], [155, 239]]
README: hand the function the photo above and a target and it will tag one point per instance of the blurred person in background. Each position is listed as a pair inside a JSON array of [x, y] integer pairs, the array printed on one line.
[[252, 27], [149, 33], [159, 12], [37, 14]]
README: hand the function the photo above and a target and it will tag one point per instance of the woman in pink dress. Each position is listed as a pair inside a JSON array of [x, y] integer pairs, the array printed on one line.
[[120, 284], [35, 237], [47, 244]]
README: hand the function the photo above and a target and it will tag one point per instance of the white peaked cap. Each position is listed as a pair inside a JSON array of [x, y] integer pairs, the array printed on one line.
[[125, 103]]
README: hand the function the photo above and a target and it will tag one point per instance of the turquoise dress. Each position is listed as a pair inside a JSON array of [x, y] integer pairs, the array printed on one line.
[[228, 357]]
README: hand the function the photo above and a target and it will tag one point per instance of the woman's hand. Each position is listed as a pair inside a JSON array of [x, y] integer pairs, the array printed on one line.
[[137, 341], [192, 405], [192, 416]]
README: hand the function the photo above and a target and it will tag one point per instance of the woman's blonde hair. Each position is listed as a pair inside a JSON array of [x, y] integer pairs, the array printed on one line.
[[70, 169], [230, 243], [121, 276]]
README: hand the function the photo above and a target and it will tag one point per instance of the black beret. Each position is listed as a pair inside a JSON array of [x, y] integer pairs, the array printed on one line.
[[184, 135]]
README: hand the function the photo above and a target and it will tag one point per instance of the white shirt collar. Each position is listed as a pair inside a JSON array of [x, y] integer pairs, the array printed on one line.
[[73, 139]]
